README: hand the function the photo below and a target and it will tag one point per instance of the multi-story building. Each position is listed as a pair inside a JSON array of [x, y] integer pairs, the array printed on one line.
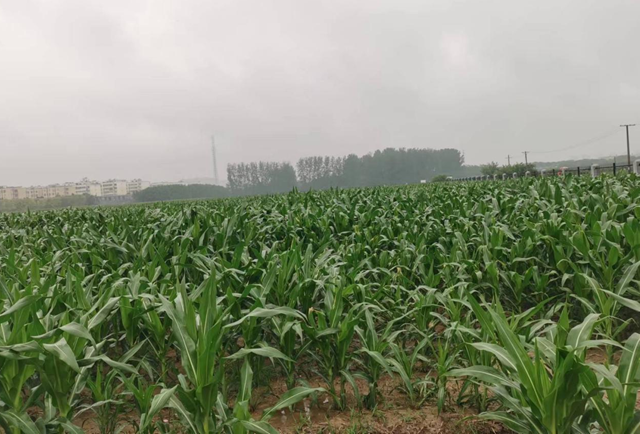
[[13, 193], [114, 187], [60, 190], [91, 188], [137, 185], [36, 192]]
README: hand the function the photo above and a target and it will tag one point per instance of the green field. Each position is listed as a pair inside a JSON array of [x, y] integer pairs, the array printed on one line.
[[515, 301]]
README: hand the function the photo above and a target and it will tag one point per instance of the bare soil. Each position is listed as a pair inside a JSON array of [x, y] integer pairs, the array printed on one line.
[[394, 414]]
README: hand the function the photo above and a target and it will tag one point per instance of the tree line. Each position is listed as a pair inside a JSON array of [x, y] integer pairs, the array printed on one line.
[[519, 168], [387, 167], [180, 192]]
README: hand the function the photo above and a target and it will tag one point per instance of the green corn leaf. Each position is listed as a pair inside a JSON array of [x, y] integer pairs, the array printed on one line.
[[582, 332], [483, 373], [604, 373], [519, 355], [506, 419], [103, 313], [629, 370], [63, 352], [71, 428], [114, 364], [627, 302], [379, 359], [186, 417], [397, 367], [598, 343], [352, 382], [18, 305], [22, 421], [269, 352], [22, 348], [501, 354], [75, 329], [290, 398], [260, 427], [246, 378], [267, 313], [97, 404], [627, 278], [158, 402]]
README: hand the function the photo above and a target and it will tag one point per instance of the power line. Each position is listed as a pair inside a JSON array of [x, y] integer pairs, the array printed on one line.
[[583, 143]]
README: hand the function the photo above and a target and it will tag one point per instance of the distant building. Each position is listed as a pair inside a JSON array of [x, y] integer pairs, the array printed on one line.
[[12, 193], [137, 185], [114, 187], [59, 190], [36, 192], [88, 187]]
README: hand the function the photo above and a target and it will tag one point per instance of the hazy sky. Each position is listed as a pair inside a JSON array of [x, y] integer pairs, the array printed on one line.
[[135, 88]]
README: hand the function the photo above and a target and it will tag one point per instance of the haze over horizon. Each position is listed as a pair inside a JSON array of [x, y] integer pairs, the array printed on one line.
[[135, 89]]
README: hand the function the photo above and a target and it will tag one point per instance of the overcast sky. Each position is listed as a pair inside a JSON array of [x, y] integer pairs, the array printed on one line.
[[135, 88]]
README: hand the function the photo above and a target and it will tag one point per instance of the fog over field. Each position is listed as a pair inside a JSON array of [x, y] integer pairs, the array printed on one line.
[[135, 88]]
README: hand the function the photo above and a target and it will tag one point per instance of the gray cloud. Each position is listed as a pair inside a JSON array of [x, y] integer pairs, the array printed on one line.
[[135, 88]]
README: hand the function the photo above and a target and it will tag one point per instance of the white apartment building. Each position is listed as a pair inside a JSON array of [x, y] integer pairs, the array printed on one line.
[[114, 187], [137, 185], [88, 187], [59, 190]]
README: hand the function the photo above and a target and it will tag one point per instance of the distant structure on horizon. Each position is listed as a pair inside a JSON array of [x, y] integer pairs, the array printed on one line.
[[110, 188], [190, 181], [216, 180]]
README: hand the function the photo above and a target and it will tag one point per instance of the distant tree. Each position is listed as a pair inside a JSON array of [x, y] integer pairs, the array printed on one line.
[[439, 178], [489, 169], [520, 169], [161, 193], [260, 178], [386, 167]]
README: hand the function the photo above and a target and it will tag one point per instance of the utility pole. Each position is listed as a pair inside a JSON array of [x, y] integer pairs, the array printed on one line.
[[215, 162], [525, 157], [508, 160], [628, 148]]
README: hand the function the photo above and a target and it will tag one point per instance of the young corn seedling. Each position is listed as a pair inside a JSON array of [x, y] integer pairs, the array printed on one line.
[[609, 302], [332, 331], [615, 409], [541, 392], [372, 358]]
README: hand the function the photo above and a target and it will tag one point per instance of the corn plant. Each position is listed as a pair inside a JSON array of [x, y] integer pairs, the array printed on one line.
[[615, 411], [542, 393]]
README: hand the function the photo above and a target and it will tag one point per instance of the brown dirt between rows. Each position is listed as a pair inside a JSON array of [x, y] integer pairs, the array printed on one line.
[[394, 414]]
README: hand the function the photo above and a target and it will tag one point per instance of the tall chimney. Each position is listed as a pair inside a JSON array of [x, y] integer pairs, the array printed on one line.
[[215, 163]]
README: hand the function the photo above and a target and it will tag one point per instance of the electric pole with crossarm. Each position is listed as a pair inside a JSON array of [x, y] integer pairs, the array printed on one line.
[[628, 148]]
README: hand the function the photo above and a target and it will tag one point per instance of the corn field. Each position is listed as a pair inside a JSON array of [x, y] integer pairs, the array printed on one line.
[[168, 317]]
